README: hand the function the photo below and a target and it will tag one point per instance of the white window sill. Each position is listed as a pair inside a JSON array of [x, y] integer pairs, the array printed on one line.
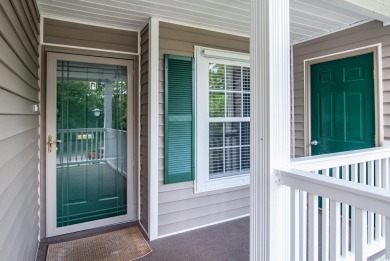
[[222, 183]]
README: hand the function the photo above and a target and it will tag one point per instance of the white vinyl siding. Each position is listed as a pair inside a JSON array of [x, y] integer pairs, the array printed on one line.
[[356, 37], [179, 207], [19, 135]]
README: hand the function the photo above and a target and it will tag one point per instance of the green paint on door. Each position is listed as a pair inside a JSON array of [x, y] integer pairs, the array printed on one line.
[[343, 105]]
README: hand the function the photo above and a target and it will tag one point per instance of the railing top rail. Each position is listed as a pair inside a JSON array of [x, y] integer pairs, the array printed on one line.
[[313, 163], [355, 194], [88, 130], [80, 130]]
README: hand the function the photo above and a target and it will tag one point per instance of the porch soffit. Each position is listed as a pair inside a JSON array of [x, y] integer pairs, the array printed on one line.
[[308, 18]]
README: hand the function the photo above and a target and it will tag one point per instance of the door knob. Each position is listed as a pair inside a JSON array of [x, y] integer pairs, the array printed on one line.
[[314, 143], [50, 142]]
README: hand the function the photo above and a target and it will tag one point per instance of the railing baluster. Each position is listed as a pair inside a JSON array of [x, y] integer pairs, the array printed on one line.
[[90, 140], [62, 148], [302, 225], [313, 227], [354, 178], [362, 173], [378, 183], [101, 144], [345, 217], [361, 235], [334, 230], [334, 235], [70, 152], [385, 173], [370, 218], [295, 224], [325, 223], [387, 238], [96, 138], [82, 147], [385, 185], [77, 146]]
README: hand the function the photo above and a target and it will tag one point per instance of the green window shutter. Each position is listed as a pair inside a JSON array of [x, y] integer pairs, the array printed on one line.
[[179, 119]]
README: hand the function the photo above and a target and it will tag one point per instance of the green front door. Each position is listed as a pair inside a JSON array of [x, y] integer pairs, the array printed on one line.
[[342, 105]]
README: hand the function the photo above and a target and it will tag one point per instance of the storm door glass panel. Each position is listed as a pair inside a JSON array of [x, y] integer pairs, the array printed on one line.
[[91, 155]]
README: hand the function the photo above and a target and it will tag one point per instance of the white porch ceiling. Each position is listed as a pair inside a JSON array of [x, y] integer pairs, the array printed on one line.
[[375, 9], [308, 18]]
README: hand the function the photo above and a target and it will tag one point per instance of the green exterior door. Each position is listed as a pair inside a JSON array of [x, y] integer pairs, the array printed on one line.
[[342, 105]]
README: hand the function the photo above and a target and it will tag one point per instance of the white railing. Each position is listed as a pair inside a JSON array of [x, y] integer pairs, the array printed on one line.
[[350, 224], [80, 145], [116, 149], [92, 145]]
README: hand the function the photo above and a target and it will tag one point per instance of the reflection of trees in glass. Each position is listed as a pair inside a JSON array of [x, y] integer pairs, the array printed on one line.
[[217, 76], [119, 104], [217, 82], [217, 104], [76, 101]]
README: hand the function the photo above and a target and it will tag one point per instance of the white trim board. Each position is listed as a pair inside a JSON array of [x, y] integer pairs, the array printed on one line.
[[292, 102], [153, 126], [143, 228], [203, 27], [139, 130], [40, 130], [88, 48], [202, 226]]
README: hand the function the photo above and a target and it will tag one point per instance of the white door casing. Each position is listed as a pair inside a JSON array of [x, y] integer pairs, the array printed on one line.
[[51, 112]]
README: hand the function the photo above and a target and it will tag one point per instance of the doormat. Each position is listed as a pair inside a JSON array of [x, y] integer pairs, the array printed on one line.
[[121, 245]]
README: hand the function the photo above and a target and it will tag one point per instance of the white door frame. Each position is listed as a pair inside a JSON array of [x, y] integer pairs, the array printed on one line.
[[51, 188], [376, 49]]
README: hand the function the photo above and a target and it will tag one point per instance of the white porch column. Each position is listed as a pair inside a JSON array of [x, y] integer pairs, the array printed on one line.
[[270, 129]]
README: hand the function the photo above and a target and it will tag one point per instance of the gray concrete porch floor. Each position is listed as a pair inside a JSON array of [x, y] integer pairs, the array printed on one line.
[[228, 241]]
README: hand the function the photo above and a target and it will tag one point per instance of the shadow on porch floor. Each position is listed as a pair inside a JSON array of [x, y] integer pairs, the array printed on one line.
[[223, 242]]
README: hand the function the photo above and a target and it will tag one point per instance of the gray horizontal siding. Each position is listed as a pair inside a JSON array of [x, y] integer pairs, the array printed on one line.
[[13, 33], [144, 63], [179, 207], [19, 34], [356, 37], [73, 34], [205, 219]]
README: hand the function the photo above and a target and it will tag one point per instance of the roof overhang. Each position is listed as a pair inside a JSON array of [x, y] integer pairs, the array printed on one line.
[[308, 18], [375, 9]]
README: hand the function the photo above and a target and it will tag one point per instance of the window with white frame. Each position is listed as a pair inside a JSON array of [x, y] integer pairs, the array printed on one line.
[[222, 119]]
